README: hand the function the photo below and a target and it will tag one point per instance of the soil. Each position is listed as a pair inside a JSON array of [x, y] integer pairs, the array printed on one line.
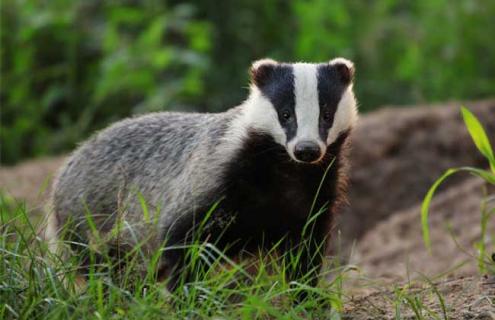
[[30, 181], [397, 154], [392, 255], [455, 216], [463, 298]]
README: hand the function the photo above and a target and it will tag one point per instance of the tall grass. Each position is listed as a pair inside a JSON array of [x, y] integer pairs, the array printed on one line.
[[38, 284]]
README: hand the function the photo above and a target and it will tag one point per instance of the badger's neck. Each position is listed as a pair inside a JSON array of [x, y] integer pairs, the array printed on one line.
[[252, 167], [261, 178]]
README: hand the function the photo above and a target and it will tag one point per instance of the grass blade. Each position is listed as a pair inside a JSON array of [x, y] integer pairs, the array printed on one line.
[[478, 135], [486, 175]]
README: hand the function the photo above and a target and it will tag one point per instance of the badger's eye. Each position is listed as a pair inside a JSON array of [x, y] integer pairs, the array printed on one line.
[[286, 115], [327, 116]]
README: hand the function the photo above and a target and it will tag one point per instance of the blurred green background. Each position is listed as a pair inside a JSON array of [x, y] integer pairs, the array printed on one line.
[[71, 67]]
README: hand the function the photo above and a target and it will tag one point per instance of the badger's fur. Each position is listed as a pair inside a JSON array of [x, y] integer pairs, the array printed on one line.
[[261, 163]]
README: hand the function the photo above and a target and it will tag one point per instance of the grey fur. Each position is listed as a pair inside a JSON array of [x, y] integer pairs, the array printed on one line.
[[171, 159]]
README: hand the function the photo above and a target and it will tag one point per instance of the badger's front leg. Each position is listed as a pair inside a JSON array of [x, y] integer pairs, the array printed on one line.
[[180, 267], [175, 255], [304, 260], [304, 255], [173, 271]]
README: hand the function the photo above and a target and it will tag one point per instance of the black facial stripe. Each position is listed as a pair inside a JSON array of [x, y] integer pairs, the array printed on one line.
[[330, 91], [279, 89]]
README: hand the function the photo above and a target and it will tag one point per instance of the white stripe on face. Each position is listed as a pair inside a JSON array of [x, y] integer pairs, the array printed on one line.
[[307, 105], [345, 116]]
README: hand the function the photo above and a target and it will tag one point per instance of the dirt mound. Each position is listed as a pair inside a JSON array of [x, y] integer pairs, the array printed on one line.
[[398, 153], [394, 249]]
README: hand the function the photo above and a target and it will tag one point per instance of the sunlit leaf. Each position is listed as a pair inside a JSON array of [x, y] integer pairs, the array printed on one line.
[[478, 135]]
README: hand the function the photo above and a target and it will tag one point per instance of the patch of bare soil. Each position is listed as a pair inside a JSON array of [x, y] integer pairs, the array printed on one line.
[[394, 249], [462, 298], [392, 255], [30, 180], [397, 155]]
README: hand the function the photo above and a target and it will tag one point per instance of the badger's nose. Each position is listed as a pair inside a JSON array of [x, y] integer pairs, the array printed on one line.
[[307, 151]]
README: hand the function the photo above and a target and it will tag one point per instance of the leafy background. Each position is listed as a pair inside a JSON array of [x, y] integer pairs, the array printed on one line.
[[71, 67]]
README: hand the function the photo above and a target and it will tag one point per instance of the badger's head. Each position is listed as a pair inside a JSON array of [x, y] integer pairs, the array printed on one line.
[[303, 106]]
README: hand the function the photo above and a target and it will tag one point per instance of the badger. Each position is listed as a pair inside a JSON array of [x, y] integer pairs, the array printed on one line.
[[257, 173]]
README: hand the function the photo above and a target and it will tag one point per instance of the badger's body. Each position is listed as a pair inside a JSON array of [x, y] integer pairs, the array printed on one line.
[[151, 180]]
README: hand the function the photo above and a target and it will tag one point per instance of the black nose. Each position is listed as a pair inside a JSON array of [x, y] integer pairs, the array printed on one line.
[[307, 151]]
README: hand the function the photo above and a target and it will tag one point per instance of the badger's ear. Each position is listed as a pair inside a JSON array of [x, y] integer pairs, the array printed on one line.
[[345, 69], [261, 71]]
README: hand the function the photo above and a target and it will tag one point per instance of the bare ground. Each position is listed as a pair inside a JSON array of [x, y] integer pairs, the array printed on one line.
[[392, 261], [456, 298], [397, 154]]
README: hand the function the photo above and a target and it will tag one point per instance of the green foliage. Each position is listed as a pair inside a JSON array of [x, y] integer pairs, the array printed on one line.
[[483, 144], [70, 67], [405, 52]]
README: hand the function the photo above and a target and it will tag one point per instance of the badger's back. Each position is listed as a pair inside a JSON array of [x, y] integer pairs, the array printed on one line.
[[147, 160]]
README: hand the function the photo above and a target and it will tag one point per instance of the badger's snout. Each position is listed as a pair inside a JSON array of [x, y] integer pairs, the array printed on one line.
[[307, 151]]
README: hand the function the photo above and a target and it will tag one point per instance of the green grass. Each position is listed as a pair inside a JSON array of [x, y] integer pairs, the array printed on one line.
[[37, 284]]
